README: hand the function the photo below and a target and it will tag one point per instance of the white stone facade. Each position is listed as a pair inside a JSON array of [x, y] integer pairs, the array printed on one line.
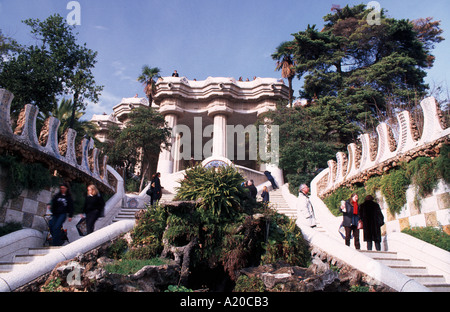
[[205, 116]]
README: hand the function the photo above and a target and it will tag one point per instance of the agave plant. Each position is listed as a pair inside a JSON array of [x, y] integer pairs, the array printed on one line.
[[217, 189]]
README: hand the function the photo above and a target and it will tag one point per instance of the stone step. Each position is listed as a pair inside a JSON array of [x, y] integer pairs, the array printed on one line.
[[127, 213], [6, 267], [409, 269], [394, 261], [428, 278], [438, 287], [380, 254], [42, 250], [121, 217], [26, 258]]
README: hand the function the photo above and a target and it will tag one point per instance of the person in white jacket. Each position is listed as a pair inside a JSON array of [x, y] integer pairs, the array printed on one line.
[[304, 206]]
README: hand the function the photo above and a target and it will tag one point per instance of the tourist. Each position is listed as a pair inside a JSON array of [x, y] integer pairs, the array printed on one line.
[[94, 206], [150, 190], [265, 195], [61, 206], [350, 210], [175, 74], [252, 189], [304, 206], [271, 179], [157, 190], [372, 220]]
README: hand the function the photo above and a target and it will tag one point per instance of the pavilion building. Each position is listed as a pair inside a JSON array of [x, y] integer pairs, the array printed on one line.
[[213, 122]]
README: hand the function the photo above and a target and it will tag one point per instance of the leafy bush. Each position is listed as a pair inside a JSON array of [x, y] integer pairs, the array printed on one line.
[[431, 235], [117, 248], [222, 221], [442, 163], [393, 188], [219, 189], [286, 243], [177, 288], [21, 176], [249, 284], [423, 174], [149, 230]]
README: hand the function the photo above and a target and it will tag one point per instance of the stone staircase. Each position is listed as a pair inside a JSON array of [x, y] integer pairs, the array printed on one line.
[[419, 273], [434, 282], [21, 260], [278, 203]]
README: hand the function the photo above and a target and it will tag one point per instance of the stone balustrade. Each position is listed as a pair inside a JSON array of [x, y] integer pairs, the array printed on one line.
[[61, 156], [376, 156]]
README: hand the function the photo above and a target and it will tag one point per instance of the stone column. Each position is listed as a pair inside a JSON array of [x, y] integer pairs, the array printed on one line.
[[272, 166], [220, 136], [165, 161]]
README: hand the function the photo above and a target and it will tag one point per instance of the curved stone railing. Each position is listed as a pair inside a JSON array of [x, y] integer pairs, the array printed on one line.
[[369, 159], [45, 147]]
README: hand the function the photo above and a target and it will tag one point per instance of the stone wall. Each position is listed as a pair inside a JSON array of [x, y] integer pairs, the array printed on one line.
[[28, 209], [434, 210], [71, 161], [375, 155]]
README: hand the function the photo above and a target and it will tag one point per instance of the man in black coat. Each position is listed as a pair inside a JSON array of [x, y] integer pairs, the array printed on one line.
[[373, 219], [252, 189], [271, 179]]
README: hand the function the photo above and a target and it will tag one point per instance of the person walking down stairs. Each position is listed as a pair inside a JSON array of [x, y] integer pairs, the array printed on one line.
[[304, 206]]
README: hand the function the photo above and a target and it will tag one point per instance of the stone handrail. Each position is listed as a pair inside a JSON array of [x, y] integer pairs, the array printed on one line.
[[363, 162], [45, 147], [15, 279]]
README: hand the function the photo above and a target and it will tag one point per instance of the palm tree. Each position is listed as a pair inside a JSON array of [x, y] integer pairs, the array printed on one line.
[[63, 112], [285, 62], [148, 77]]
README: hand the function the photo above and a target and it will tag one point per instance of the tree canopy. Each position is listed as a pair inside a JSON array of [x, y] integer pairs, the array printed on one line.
[[55, 66], [355, 75]]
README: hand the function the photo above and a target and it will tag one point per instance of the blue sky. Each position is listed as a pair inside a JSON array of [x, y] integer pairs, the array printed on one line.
[[199, 38]]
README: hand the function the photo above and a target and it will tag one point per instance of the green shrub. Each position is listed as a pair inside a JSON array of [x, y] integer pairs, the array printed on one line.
[[117, 249], [359, 288], [431, 235], [393, 188], [286, 243], [423, 175], [442, 163], [249, 284], [21, 176], [149, 230], [177, 288], [219, 189]]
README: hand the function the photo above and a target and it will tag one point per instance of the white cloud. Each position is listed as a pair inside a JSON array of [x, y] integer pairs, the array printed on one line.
[[105, 105], [100, 27], [119, 71]]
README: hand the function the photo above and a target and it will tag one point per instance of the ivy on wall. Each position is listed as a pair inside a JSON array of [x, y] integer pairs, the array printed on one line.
[[423, 173], [21, 176]]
